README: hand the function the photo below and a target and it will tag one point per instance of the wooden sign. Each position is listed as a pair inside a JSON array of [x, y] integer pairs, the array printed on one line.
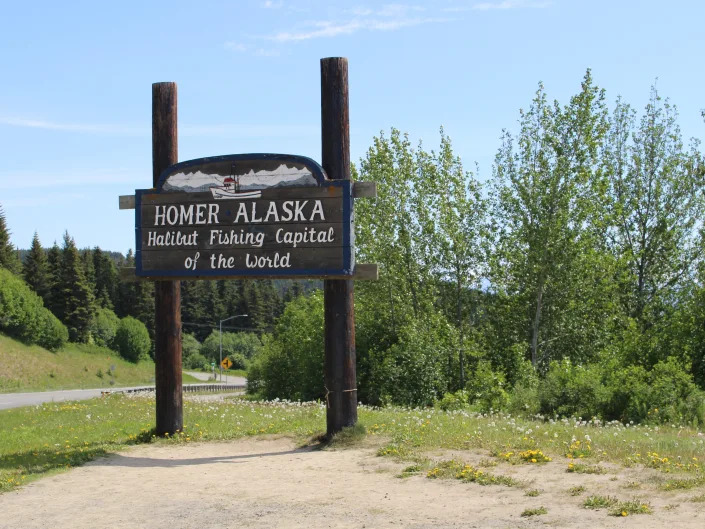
[[249, 215]]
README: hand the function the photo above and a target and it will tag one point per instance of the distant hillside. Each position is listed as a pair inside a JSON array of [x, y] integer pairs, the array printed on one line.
[[33, 368]]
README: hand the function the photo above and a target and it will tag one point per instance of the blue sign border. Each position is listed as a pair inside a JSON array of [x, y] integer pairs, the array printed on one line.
[[317, 172]]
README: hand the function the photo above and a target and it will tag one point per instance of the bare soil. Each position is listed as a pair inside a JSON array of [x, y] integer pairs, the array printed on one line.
[[272, 483]]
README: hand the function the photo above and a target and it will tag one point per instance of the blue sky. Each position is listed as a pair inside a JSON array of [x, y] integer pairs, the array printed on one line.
[[75, 96]]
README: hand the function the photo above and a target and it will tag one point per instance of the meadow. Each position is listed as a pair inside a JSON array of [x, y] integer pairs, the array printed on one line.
[[436, 444]]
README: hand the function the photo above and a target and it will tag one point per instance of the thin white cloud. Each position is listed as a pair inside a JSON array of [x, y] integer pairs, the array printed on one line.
[[270, 4], [43, 200], [236, 46], [123, 130], [57, 181], [249, 131], [261, 52], [388, 17], [226, 130], [323, 29], [511, 4]]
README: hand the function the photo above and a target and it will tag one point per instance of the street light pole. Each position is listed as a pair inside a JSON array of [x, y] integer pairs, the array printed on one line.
[[221, 341]]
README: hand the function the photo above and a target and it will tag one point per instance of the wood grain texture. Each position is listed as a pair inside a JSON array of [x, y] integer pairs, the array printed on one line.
[[340, 356], [363, 272], [167, 294]]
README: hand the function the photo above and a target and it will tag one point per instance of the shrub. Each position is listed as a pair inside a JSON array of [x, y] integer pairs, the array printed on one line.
[[24, 317], [628, 389], [454, 401], [524, 398], [487, 388], [132, 339], [53, 333], [572, 390], [666, 394], [104, 327], [673, 396], [189, 347], [290, 364], [196, 361], [411, 372], [237, 346]]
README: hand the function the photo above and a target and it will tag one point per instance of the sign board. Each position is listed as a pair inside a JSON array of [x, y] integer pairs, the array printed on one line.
[[245, 215], [226, 363]]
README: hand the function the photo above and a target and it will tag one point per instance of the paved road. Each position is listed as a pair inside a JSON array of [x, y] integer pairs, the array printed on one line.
[[15, 400]]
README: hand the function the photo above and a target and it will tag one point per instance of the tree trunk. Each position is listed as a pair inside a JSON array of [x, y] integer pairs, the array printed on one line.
[[459, 317], [537, 322]]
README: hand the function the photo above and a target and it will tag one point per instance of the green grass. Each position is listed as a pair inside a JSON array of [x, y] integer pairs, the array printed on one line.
[[625, 508], [599, 502], [534, 512], [75, 366], [411, 470], [459, 470], [683, 483], [346, 438], [579, 468], [37, 440], [576, 491]]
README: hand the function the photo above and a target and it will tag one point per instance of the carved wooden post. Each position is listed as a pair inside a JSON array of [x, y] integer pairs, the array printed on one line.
[[340, 369], [167, 294]]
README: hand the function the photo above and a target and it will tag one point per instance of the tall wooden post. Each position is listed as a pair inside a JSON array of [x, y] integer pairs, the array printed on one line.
[[167, 294], [340, 369]]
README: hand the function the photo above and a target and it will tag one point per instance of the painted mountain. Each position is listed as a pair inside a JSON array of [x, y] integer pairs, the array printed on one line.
[[251, 174]]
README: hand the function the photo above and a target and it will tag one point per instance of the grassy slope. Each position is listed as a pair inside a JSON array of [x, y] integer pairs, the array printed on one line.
[[33, 368]]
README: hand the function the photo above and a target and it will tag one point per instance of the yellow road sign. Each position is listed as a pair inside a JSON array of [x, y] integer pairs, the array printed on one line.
[[226, 363]]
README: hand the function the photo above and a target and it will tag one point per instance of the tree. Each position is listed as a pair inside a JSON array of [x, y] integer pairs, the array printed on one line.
[[392, 230], [76, 297], [52, 301], [106, 279], [456, 230], [104, 326], [136, 299], [23, 315], [547, 264], [35, 270], [132, 339], [657, 204], [8, 254]]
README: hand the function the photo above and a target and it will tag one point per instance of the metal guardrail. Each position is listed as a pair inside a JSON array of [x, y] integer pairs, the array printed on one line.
[[189, 388]]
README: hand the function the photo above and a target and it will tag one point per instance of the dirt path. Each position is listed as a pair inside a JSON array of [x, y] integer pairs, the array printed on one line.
[[266, 483]]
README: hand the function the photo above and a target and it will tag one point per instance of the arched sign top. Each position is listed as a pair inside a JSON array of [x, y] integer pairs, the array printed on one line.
[[242, 172], [245, 215]]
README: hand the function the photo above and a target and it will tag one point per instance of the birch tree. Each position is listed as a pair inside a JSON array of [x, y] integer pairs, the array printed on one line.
[[547, 187]]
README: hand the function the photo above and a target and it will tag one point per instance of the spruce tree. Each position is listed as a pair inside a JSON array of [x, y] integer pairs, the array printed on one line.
[[229, 293], [106, 279], [136, 299], [88, 269], [76, 295], [53, 299], [35, 270], [8, 254]]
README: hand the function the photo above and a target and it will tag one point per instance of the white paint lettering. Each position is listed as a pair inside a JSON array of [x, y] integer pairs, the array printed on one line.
[[272, 211], [317, 210]]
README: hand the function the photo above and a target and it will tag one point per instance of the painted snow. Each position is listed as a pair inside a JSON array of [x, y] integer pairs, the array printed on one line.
[[283, 176]]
